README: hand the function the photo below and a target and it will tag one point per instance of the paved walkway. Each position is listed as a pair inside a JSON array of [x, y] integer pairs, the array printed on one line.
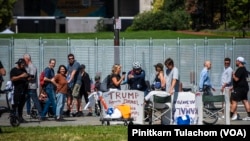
[[87, 120]]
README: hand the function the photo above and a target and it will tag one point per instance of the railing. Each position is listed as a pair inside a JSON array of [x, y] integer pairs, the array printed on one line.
[[98, 54]]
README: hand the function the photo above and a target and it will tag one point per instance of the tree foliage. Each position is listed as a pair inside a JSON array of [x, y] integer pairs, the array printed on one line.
[[6, 8], [165, 15], [238, 14], [158, 5]]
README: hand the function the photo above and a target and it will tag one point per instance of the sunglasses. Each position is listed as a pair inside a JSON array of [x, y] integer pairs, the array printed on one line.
[[71, 58]]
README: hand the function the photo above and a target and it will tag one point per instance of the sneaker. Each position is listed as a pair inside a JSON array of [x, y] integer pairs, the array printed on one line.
[[67, 113], [74, 114], [59, 119], [79, 114], [235, 117], [246, 118]]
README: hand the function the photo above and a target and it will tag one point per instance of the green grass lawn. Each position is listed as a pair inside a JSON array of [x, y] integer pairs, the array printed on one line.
[[65, 133], [163, 34]]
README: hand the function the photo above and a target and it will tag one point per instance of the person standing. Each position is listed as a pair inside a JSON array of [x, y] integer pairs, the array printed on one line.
[[73, 68], [81, 89], [240, 88], [205, 84], [19, 78], [226, 78], [171, 77], [136, 78], [85, 89], [61, 84], [2, 73], [32, 86], [115, 78], [49, 88], [159, 81]]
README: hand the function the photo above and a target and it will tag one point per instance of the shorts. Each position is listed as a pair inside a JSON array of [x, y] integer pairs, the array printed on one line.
[[76, 91], [239, 94]]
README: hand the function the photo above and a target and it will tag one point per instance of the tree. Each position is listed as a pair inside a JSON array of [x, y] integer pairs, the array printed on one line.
[[158, 5], [238, 15], [6, 13]]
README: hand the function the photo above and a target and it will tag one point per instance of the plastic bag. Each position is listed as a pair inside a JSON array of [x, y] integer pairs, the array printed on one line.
[[183, 120], [125, 110]]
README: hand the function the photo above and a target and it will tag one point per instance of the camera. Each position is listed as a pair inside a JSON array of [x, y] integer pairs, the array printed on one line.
[[123, 73], [31, 76]]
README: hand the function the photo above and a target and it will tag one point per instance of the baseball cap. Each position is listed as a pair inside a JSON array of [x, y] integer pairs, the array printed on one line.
[[20, 61], [241, 59]]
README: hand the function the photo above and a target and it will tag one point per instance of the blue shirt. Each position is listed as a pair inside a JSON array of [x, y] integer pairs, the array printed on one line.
[[49, 73], [204, 79]]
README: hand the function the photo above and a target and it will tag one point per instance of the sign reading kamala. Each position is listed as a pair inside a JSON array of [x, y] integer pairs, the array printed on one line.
[[133, 98], [184, 104]]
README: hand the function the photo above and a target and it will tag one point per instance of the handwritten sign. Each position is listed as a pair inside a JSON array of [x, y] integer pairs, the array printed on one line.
[[184, 104], [133, 98]]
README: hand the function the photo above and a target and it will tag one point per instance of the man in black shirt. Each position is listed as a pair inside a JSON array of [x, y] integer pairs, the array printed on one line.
[[19, 78], [240, 88]]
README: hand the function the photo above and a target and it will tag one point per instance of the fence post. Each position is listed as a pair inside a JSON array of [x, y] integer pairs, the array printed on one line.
[[199, 106], [227, 105]]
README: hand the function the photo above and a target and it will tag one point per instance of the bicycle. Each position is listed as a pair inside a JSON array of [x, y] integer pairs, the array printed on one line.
[[14, 120]]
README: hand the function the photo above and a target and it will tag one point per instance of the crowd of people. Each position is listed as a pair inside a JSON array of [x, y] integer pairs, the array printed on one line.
[[71, 83], [235, 81]]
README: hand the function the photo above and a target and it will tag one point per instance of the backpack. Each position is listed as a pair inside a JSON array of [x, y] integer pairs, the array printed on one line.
[[41, 78], [104, 85]]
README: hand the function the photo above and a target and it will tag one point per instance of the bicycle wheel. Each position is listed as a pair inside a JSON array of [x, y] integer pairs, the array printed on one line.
[[210, 117], [14, 121]]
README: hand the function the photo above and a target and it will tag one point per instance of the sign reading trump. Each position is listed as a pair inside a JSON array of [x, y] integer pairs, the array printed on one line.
[[133, 98]]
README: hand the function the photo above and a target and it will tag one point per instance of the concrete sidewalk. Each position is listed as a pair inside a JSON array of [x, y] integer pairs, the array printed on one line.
[[88, 120]]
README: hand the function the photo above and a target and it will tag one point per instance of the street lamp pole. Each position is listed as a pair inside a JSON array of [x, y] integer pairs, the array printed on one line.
[[116, 34]]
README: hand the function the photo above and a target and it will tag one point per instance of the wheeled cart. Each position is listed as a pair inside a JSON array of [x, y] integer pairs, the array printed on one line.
[[126, 121]]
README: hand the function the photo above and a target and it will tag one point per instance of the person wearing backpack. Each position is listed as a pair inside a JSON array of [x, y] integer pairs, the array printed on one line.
[[49, 88], [32, 86]]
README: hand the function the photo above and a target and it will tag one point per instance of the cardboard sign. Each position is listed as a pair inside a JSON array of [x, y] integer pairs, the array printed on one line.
[[184, 104], [133, 98]]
